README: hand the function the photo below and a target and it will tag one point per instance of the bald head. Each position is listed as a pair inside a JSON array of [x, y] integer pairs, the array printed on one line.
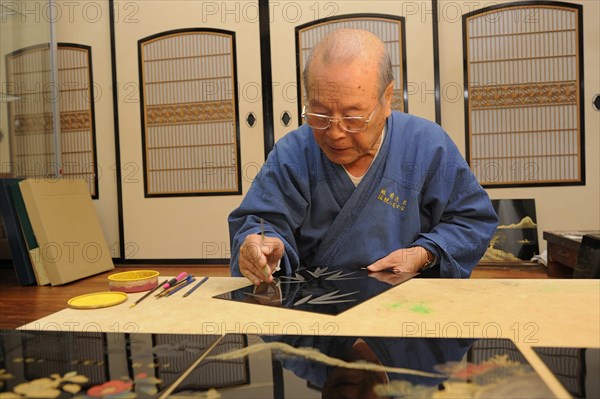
[[344, 46]]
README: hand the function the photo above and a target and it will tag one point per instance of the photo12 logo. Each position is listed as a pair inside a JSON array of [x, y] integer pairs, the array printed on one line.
[[91, 12], [250, 12], [525, 332]]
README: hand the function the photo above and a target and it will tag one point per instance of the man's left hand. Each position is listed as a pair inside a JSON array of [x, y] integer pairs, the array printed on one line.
[[408, 260]]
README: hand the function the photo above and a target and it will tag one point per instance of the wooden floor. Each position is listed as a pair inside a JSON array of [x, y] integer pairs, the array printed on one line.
[[21, 305]]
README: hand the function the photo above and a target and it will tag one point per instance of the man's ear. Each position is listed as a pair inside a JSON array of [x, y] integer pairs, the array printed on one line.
[[387, 94], [389, 90]]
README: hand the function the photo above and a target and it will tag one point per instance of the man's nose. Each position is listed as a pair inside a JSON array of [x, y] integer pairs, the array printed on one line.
[[335, 129]]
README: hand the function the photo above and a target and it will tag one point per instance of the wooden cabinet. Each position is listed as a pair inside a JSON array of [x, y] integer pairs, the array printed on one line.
[[563, 249]]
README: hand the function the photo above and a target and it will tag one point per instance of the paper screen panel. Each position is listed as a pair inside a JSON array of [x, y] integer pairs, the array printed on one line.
[[30, 118], [389, 30], [77, 132], [190, 113], [523, 84]]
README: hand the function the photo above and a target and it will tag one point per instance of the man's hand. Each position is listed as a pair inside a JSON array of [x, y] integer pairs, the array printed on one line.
[[409, 260], [390, 278], [259, 256]]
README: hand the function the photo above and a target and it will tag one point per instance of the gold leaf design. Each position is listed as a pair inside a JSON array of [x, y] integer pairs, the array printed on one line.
[[75, 120], [189, 112], [522, 94]]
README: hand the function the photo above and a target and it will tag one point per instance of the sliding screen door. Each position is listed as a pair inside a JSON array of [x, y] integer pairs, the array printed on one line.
[[186, 140]]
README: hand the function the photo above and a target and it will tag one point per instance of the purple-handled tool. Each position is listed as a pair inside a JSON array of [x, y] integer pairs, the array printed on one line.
[[180, 277], [171, 282]]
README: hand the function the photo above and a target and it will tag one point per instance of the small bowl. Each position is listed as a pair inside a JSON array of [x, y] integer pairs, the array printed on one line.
[[133, 281]]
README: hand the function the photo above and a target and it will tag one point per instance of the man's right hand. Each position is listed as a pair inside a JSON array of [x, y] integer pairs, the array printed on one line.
[[259, 257]]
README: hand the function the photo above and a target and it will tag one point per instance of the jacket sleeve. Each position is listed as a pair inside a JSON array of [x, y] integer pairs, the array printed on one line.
[[463, 219], [278, 195]]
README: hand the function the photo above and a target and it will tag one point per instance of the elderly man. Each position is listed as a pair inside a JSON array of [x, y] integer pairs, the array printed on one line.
[[358, 185]]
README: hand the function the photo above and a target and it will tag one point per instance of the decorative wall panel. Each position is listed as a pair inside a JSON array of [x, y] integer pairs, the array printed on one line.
[[32, 141], [190, 115], [30, 117], [77, 131], [524, 92]]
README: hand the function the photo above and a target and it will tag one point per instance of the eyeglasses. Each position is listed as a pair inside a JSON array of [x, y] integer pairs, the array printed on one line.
[[350, 124]]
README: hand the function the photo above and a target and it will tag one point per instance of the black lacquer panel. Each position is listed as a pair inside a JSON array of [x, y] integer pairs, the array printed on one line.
[[306, 367], [62, 364], [119, 365], [320, 290]]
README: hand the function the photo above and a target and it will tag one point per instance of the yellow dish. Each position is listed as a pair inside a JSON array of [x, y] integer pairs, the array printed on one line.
[[97, 300], [133, 281]]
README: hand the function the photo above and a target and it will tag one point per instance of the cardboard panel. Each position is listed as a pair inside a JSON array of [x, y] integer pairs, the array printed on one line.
[[65, 224]]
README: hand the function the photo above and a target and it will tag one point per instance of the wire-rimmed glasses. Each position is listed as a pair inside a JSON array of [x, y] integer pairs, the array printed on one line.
[[350, 124]]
